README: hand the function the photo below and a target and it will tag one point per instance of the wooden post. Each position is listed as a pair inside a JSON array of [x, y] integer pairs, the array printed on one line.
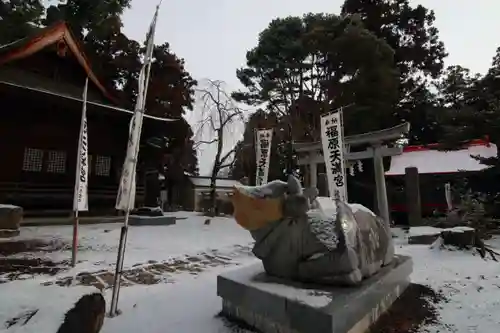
[[74, 248], [313, 175], [412, 190], [382, 204], [323, 185]]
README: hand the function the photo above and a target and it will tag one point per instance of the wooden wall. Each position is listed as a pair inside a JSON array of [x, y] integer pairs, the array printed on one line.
[[49, 123]]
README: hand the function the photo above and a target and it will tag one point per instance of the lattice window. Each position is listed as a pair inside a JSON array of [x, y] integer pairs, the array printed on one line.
[[56, 162], [33, 160], [102, 165]]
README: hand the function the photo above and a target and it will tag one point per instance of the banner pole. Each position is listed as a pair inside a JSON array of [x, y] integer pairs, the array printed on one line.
[[113, 310], [80, 193], [74, 248], [131, 160]]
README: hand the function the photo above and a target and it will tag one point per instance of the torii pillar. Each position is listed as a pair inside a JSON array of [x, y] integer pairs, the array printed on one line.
[[312, 156], [382, 202]]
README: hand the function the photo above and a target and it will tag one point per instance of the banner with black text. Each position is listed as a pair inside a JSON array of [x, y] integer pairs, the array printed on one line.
[[263, 155], [80, 197], [333, 151]]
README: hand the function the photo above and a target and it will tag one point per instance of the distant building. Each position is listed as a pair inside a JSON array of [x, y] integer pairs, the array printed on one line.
[[436, 168], [196, 189]]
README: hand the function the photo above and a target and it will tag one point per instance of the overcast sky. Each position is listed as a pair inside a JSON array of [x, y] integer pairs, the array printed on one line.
[[214, 36]]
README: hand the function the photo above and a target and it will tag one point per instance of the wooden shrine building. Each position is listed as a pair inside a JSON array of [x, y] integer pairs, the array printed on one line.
[[42, 79]]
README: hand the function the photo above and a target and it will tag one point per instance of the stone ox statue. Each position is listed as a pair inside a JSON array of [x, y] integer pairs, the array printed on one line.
[[301, 237]]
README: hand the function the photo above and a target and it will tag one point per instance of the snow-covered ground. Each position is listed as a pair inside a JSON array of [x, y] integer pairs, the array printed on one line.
[[186, 300], [98, 243]]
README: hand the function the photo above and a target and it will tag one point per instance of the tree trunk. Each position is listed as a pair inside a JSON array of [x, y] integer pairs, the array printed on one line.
[[213, 194], [213, 178]]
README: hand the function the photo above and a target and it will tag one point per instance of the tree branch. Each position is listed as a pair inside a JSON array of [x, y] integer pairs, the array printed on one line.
[[226, 165], [219, 112], [203, 142], [226, 156]]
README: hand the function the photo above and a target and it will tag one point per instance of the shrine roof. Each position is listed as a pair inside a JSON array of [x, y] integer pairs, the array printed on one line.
[[429, 160], [47, 36], [37, 41]]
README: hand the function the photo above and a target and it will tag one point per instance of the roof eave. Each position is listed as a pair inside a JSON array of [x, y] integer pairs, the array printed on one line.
[[53, 34]]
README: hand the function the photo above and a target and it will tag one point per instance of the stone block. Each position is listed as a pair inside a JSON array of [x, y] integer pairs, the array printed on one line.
[[8, 233], [87, 315], [273, 305], [147, 211], [10, 217], [138, 220], [422, 239]]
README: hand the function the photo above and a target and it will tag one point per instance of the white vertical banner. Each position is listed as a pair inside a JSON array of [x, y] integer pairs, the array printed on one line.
[[263, 141], [333, 151], [80, 197], [125, 199], [126, 192]]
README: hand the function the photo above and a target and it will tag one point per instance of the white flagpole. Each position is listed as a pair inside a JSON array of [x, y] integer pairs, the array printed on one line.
[[126, 191], [80, 196]]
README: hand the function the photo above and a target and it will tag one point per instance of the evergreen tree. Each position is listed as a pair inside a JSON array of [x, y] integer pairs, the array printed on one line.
[[324, 61], [409, 31], [305, 66], [418, 54], [19, 18]]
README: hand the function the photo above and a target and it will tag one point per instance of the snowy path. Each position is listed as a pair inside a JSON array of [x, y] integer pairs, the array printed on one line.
[[186, 301], [191, 305], [471, 285]]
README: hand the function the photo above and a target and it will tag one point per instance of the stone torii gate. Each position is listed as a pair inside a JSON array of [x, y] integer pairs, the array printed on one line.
[[311, 154]]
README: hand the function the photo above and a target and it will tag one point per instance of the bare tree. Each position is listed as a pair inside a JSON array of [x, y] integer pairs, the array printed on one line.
[[219, 115]]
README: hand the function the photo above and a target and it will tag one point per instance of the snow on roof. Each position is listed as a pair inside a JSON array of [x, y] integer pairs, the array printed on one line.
[[205, 182], [436, 161]]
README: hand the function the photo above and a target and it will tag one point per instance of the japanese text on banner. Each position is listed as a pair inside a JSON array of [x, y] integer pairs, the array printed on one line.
[[80, 197], [333, 152], [263, 155]]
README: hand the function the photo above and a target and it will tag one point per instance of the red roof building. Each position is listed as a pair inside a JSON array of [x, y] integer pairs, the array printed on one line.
[[428, 160]]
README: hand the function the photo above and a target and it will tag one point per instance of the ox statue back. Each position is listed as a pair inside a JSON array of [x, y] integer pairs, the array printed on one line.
[[302, 237]]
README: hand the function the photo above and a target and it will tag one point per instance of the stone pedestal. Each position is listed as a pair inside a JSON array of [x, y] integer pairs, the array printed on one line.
[[272, 305], [138, 220], [10, 220]]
